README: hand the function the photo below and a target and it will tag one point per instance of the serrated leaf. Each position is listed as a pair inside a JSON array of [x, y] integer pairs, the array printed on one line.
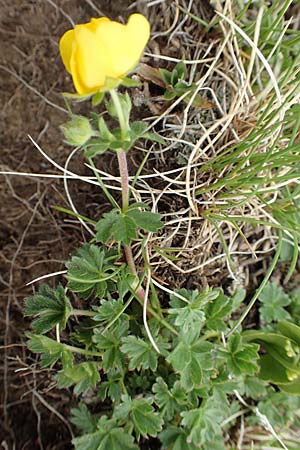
[[141, 413], [113, 387], [203, 424], [108, 437], [89, 271], [109, 343], [169, 401], [108, 310], [51, 350], [84, 375], [241, 357], [175, 438], [124, 229], [219, 308], [187, 315], [116, 225], [273, 300], [51, 306], [189, 360], [141, 353], [145, 219], [83, 419]]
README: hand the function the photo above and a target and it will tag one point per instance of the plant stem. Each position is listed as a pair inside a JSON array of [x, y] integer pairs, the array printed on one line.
[[82, 312], [123, 168], [122, 160], [82, 351]]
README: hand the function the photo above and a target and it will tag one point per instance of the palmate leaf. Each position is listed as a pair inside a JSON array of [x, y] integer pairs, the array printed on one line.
[[83, 419], [117, 226], [145, 219], [90, 271], [140, 412], [220, 308], [190, 314], [141, 353], [112, 388], [273, 300], [170, 401], [241, 357], [175, 438], [50, 350], [190, 359], [203, 424], [109, 344], [123, 227], [108, 437], [50, 306], [84, 376]]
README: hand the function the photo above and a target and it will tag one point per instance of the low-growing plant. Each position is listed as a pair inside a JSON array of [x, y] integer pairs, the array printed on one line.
[[168, 372]]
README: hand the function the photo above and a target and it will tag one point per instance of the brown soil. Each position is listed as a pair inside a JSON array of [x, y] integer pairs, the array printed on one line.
[[34, 238]]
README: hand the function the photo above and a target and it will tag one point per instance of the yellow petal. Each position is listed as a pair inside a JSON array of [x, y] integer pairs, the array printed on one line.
[[122, 45], [89, 65], [65, 47], [103, 49]]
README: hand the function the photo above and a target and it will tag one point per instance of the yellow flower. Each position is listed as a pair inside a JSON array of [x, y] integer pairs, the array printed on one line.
[[101, 49]]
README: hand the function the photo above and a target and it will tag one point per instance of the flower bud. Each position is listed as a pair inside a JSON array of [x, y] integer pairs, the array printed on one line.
[[77, 131]]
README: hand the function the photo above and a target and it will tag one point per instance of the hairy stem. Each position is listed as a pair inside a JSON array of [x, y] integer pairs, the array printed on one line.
[[122, 160]]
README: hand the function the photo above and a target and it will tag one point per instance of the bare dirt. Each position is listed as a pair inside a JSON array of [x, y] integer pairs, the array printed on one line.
[[34, 238]]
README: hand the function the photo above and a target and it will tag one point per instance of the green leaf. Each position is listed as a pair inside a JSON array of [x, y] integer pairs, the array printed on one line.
[[187, 315], [203, 424], [165, 75], [289, 330], [51, 350], [175, 438], [109, 343], [141, 354], [154, 137], [97, 98], [220, 307], [51, 306], [84, 376], [124, 229], [280, 347], [96, 147], [108, 437], [170, 402], [116, 225], [90, 270], [273, 300], [138, 129], [141, 413], [105, 134], [113, 387], [241, 358], [129, 82], [189, 360], [145, 219], [180, 69], [108, 310], [83, 419]]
